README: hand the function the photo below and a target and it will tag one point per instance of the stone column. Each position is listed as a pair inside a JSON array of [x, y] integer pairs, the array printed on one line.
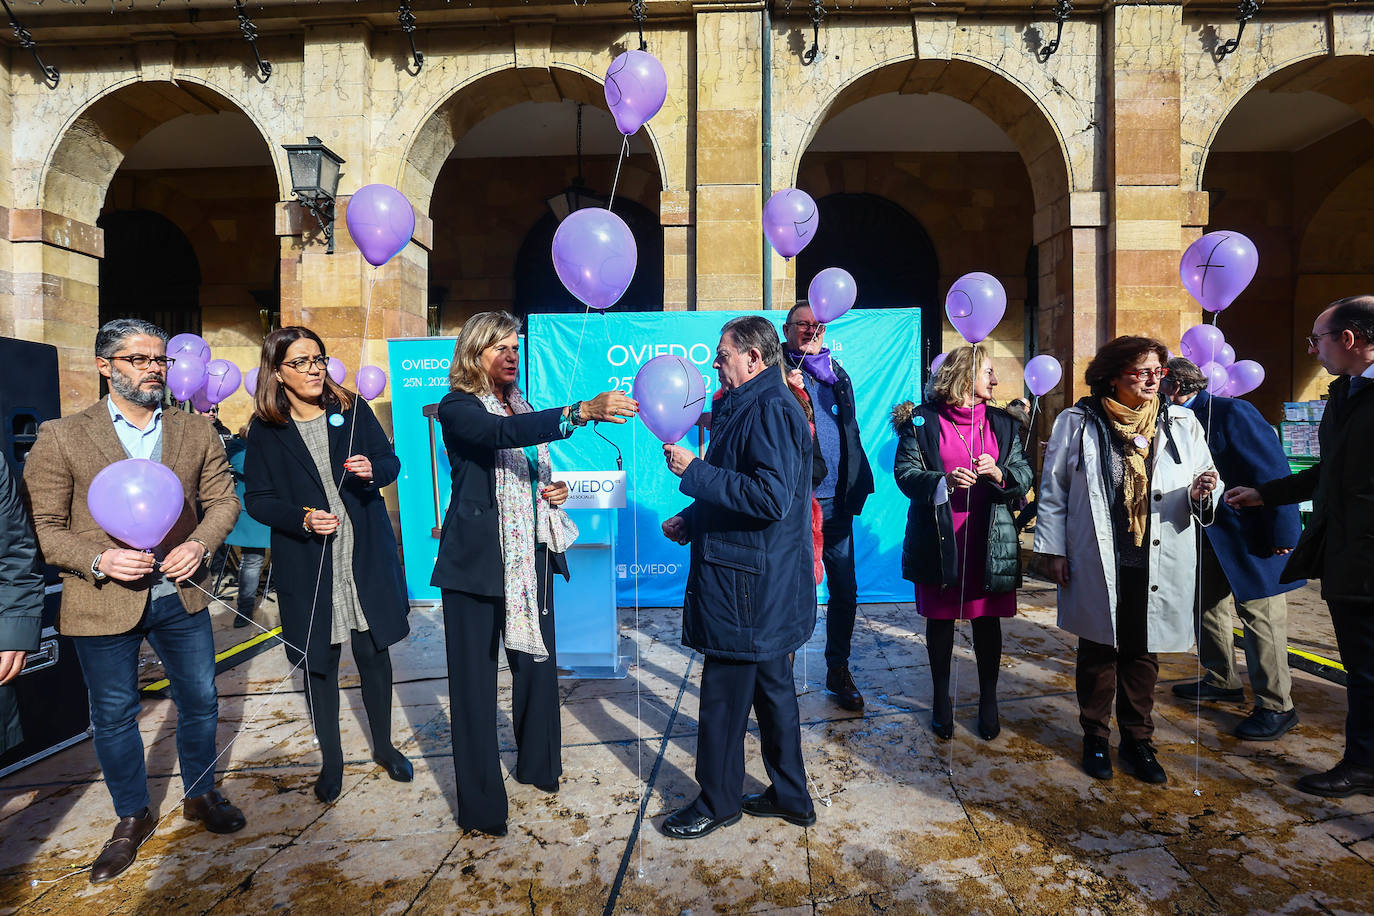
[[1071, 238], [1145, 47], [729, 102]]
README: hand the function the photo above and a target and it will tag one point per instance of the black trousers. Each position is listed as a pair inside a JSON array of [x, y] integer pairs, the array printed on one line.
[[1126, 670], [472, 629], [728, 689], [1354, 625], [322, 693]]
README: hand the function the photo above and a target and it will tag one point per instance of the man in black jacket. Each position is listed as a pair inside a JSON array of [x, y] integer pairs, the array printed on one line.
[[751, 598], [847, 483], [1338, 543], [21, 600]]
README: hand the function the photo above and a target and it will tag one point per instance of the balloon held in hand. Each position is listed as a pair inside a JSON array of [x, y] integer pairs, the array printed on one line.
[[671, 395], [136, 501]]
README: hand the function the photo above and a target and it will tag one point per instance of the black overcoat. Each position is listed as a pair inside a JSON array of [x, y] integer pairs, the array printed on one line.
[[280, 480]]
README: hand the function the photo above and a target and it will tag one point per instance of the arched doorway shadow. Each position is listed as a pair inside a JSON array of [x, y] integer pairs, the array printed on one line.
[[886, 250], [149, 271]]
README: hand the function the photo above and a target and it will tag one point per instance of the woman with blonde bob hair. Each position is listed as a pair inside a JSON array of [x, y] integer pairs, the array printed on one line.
[[959, 461], [503, 530]]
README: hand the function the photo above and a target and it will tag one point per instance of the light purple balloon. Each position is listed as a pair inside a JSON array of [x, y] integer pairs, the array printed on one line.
[[370, 381], [936, 363], [380, 222], [1245, 376], [832, 293], [250, 382], [1202, 343], [136, 501], [1042, 373], [186, 376], [790, 220], [594, 254], [635, 89], [1217, 378], [1217, 267], [221, 380], [199, 402], [671, 396], [337, 370], [1226, 356], [975, 303], [189, 344]]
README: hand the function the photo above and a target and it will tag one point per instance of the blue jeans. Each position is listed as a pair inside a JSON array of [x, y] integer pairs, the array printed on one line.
[[250, 573], [837, 555], [186, 646]]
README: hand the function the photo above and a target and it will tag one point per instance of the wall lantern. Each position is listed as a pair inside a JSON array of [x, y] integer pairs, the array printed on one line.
[[576, 196], [315, 181]]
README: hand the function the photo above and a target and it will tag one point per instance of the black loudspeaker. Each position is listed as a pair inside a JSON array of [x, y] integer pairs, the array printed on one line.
[[29, 395], [54, 709]]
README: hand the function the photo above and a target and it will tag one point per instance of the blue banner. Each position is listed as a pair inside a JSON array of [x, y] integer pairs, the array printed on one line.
[[572, 357]]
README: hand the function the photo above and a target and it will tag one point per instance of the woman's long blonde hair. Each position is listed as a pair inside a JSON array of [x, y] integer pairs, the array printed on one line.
[[485, 329], [953, 383]]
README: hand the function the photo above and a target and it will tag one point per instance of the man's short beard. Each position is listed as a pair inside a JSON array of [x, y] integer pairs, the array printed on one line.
[[131, 391]]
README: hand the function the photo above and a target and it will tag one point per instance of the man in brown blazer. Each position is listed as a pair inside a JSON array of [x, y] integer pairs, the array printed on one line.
[[114, 597]]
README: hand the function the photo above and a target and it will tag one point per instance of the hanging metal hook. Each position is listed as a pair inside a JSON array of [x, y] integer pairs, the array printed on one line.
[[817, 15], [1062, 9], [407, 20], [639, 11], [1245, 11], [250, 35], [51, 75]]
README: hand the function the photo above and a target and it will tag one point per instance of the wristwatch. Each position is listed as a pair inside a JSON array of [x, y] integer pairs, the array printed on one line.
[[205, 558], [575, 414], [96, 574]]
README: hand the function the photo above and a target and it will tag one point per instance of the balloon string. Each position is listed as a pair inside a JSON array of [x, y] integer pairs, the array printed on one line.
[[624, 152], [218, 600]]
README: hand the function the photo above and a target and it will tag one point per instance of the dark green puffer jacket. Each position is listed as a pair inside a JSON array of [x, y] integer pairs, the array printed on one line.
[[929, 553]]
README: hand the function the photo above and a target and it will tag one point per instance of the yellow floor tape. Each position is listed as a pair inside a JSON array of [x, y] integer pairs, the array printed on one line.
[[1308, 656]]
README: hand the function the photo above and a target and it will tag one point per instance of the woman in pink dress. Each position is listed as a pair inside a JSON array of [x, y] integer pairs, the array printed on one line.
[[959, 461]]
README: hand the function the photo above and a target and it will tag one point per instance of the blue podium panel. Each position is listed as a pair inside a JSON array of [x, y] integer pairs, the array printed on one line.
[[585, 624]]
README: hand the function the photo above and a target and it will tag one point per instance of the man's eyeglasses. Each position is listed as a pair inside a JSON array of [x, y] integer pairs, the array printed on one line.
[[141, 361], [1313, 338], [301, 363], [1141, 375], [808, 325]]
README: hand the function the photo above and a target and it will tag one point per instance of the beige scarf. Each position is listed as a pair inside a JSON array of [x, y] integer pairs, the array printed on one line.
[[1131, 426]]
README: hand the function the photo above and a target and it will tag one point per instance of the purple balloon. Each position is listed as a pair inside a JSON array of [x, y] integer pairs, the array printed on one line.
[[1245, 376], [790, 219], [975, 303], [221, 380], [136, 501], [370, 381], [1217, 378], [250, 382], [337, 370], [671, 396], [200, 403], [635, 89], [1217, 267], [186, 376], [1202, 343], [380, 222], [936, 363], [1226, 356], [594, 255], [832, 293], [1042, 373], [184, 345]]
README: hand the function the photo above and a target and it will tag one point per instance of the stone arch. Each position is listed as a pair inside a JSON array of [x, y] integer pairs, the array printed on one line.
[[492, 90], [89, 148]]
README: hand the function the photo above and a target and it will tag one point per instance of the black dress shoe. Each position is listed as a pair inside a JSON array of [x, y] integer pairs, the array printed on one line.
[[1193, 690], [839, 682], [1138, 759], [943, 730], [1341, 781], [762, 805], [122, 849], [687, 824], [988, 731], [1266, 725], [242, 620], [1097, 757], [395, 764], [215, 812], [328, 786]]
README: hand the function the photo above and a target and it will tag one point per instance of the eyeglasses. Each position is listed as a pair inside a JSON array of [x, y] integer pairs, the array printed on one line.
[[1313, 338], [807, 325], [301, 363], [1141, 375], [141, 361]]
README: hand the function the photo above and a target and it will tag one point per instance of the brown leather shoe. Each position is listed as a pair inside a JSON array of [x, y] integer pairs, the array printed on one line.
[[122, 849], [215, 812]]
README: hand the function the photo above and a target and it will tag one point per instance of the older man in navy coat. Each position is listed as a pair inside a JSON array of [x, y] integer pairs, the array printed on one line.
[[751, 598], [1243, 556]]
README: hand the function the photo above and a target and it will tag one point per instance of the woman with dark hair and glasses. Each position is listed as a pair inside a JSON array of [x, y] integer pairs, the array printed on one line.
[[1125, 473], [315, 466]]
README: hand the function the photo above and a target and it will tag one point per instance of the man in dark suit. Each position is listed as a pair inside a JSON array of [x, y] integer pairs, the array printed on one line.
[[21, 601], [1243, 555], [114, 597], [1338, 543], [751, 598], [847, 483]]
